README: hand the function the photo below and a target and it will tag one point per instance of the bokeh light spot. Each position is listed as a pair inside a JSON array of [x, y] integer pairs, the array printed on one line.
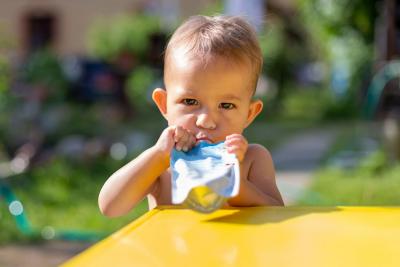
[[16, 208], [48, 232], [18, 165], [118, 151]]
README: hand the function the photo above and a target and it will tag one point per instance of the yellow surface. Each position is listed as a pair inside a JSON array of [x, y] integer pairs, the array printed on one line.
[[262, 236]]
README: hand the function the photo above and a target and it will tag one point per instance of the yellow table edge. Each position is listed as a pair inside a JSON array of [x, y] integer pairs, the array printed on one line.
[[105, 242], [91, 252]]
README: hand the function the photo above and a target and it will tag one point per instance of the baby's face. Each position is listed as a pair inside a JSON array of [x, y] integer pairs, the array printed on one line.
[[213, 101]]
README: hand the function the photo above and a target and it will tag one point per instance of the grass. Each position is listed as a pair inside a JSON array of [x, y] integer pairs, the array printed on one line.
[[373, 183], [63, 195]]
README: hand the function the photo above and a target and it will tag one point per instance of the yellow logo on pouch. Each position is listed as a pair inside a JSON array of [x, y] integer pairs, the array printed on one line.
[[203, 199]]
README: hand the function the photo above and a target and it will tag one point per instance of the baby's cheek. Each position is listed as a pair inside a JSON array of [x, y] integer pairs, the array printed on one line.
[[235, 121], [186, 121]]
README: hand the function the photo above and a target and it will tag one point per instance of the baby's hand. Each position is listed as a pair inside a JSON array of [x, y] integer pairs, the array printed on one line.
[[184, 139], [236, 144], [176, 136]]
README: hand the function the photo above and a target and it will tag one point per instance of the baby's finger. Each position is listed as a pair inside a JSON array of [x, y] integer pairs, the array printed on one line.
[[181, 142], [234, 136], [181, 145], [179, 132], [233, 148], [236, 141], [190, 142]]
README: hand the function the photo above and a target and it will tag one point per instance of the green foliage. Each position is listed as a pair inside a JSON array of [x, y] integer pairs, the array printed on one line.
[[4, 77], [6, 99], [314, 104], [281, 54], [339, 109], [43, 69], [138, 86], [127, 35], [272, 43], [335, 15], [341, 34], [213, 9], [73, 122], [107, 39], [301, 104]]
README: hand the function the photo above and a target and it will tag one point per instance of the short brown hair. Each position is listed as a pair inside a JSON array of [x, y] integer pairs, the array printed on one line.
[[230, 37]]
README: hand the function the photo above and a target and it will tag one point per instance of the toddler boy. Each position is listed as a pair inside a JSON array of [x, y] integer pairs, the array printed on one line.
[[211, 70]]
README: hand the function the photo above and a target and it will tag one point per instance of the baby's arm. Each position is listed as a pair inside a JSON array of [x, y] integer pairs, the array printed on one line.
[[130, 184], [259, 187], [262, 176]]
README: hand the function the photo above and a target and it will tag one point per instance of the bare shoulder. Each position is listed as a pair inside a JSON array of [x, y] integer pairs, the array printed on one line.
[[257, 152], [260, 162]]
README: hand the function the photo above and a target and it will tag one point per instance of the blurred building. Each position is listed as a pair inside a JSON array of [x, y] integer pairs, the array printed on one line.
[[388, 31], [387, 49], [63, 25]]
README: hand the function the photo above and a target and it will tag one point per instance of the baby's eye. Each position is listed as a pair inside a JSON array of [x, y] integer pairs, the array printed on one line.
[[190, 102], [227, 105]]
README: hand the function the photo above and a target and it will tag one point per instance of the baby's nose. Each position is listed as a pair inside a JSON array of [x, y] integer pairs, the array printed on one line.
[[205, 120]]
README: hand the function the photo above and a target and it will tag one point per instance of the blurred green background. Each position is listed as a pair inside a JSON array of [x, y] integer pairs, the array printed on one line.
[[75, 102]]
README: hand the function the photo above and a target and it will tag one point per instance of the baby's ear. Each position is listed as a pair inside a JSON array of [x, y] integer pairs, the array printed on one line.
[[160, 98], [255, 108]]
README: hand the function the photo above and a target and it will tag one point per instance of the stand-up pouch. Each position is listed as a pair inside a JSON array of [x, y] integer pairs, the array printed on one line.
[[204, 177]]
